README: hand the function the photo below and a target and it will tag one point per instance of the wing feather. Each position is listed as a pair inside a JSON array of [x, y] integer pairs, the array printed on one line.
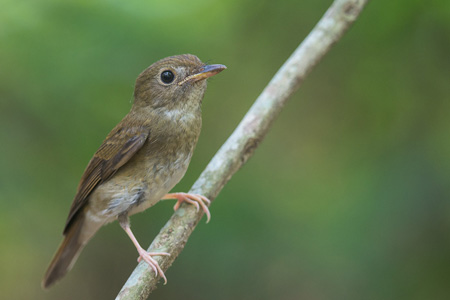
[[116, 150]]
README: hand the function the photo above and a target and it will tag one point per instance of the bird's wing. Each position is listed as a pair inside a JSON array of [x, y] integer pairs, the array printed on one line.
[[116, 150]]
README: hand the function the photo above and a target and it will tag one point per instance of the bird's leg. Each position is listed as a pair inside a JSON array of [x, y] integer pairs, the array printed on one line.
[[194, 199], [143, 254]]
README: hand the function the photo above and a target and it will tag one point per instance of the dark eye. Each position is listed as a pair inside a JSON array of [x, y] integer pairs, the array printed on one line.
[[167, 76]]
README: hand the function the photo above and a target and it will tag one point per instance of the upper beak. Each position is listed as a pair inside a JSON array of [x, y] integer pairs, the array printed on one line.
[[204, 73]]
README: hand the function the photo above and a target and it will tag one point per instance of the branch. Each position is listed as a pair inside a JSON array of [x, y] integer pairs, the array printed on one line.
[[244, 140]]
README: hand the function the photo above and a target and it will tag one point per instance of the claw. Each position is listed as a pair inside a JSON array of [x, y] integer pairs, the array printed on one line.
[[147, 257], [144, 255], [186, 199], [194, 199], [154, 254]]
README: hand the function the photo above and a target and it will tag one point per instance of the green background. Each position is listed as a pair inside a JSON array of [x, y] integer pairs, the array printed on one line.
[[346, 198]]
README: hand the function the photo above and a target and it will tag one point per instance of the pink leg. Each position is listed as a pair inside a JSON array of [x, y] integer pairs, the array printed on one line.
[[146, 256], [194, 199]]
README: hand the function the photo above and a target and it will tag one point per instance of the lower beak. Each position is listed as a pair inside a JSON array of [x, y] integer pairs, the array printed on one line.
[[204, 73]]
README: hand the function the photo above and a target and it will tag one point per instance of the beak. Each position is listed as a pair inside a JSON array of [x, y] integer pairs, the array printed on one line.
[[204, 73]]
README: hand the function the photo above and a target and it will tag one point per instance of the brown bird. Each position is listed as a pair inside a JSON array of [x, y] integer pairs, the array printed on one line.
[[140, 160]]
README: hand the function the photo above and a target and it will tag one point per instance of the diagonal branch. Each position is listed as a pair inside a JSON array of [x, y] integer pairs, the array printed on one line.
[[244, 140]]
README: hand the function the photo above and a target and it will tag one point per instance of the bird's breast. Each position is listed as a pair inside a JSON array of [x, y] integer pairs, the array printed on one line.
[[154, 170]]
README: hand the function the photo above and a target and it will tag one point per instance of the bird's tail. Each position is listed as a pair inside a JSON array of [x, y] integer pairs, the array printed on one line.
[[67, 253]]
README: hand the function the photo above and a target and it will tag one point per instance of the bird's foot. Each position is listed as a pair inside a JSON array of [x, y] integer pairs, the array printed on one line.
[[194, 199], [147, 257]]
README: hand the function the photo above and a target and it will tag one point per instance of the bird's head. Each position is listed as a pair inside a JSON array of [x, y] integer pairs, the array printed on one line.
[[176, 82]]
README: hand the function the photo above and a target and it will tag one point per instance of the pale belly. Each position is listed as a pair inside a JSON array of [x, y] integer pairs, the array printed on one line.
[[133, 190]]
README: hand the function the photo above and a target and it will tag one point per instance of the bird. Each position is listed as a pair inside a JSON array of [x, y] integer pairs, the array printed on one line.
[[143, 157]]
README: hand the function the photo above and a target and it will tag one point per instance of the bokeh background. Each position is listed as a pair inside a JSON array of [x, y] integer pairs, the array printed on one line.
[[346, 198]]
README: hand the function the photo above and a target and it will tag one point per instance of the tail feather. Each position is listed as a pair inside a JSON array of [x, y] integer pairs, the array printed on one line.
[[67, 253]]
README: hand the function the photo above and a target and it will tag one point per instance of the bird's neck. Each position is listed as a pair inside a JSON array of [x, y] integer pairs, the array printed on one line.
[[174, 123]]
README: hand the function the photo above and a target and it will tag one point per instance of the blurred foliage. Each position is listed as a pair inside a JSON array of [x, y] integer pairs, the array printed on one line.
[[347, 197]]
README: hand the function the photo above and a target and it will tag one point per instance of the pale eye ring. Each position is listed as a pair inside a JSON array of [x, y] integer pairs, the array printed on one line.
[[167, 76]]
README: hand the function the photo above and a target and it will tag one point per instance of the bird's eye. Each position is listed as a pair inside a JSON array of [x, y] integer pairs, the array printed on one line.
[[167, 76]]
